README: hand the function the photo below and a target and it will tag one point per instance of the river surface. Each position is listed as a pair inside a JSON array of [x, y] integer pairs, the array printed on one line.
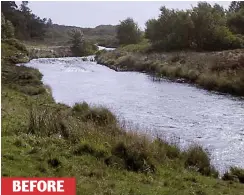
[[179, 112]]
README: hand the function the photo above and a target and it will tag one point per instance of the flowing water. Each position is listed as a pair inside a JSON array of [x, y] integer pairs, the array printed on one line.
[[162, 108]]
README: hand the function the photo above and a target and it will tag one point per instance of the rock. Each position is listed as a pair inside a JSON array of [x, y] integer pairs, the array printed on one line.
[[180, 80]]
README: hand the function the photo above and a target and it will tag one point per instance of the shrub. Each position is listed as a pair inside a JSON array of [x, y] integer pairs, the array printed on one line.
[[193, 75], [235, 174], [99, 115], [199, 160], [207, 80], [19, 142], [54, 162], [141, 47], [98, 151], [80, 107], [32, 90], [127, 61], [13, 51], [134, 159], [166, 149], [17, 44]]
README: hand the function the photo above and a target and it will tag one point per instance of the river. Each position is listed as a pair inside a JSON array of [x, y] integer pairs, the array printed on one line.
[[175, 111]]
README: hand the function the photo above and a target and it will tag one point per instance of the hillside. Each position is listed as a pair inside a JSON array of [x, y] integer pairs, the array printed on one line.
[[21, 23], [104, 35]]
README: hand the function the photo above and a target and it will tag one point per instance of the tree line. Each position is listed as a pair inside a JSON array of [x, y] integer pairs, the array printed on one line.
[[204, 27]]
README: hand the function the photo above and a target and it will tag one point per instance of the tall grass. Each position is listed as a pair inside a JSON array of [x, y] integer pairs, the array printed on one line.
[[123, 149]]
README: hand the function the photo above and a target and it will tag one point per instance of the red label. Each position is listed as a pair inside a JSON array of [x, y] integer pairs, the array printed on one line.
[[36, 186]]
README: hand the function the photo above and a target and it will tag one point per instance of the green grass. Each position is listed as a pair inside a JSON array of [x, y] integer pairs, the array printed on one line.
[[43, 138], [143, 47], [219, 71]]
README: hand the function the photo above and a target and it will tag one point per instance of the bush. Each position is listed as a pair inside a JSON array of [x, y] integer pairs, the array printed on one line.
[[127, 62], [133, 158], [99, 115], [32, 90], [17, 44], [141, 47], [164, 149], [198, 159], [98, 151], [83, 107], [235, 174], [13, 51], [54, 162]]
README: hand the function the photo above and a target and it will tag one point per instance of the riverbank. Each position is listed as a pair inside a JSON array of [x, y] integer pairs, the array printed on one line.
[[43, 138], [219, 71], [49, 52]]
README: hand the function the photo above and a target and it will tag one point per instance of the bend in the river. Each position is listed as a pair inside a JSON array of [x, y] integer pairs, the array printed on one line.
[[172, 110]]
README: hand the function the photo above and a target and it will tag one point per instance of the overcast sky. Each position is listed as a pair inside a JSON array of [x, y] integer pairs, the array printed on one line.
[[92, 14]]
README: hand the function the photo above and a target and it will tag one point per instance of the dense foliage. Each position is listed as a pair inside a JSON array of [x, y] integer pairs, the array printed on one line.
[[128, 32], [203, 27], [26, 24], [7, 28], [235, 18]]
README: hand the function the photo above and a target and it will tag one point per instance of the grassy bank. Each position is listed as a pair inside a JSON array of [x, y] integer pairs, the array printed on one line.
[[43, 138], [220, 71]]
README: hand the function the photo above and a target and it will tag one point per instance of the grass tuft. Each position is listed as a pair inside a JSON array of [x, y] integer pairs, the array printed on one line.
[[198, 159]]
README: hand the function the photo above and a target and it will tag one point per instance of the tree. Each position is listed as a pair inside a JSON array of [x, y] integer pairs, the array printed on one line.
[[236, 17], [8, 6], [49, 22], [79, 46], [236, 6], [152, 30], [24, 8], [27, 25], [77, 41], [204, 27], [2, 25], [128, 32], [173, 30], [2, 19], [207, 20], [7, 28]]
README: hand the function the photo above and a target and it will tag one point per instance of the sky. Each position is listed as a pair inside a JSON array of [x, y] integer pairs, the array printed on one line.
[[92, 13]]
